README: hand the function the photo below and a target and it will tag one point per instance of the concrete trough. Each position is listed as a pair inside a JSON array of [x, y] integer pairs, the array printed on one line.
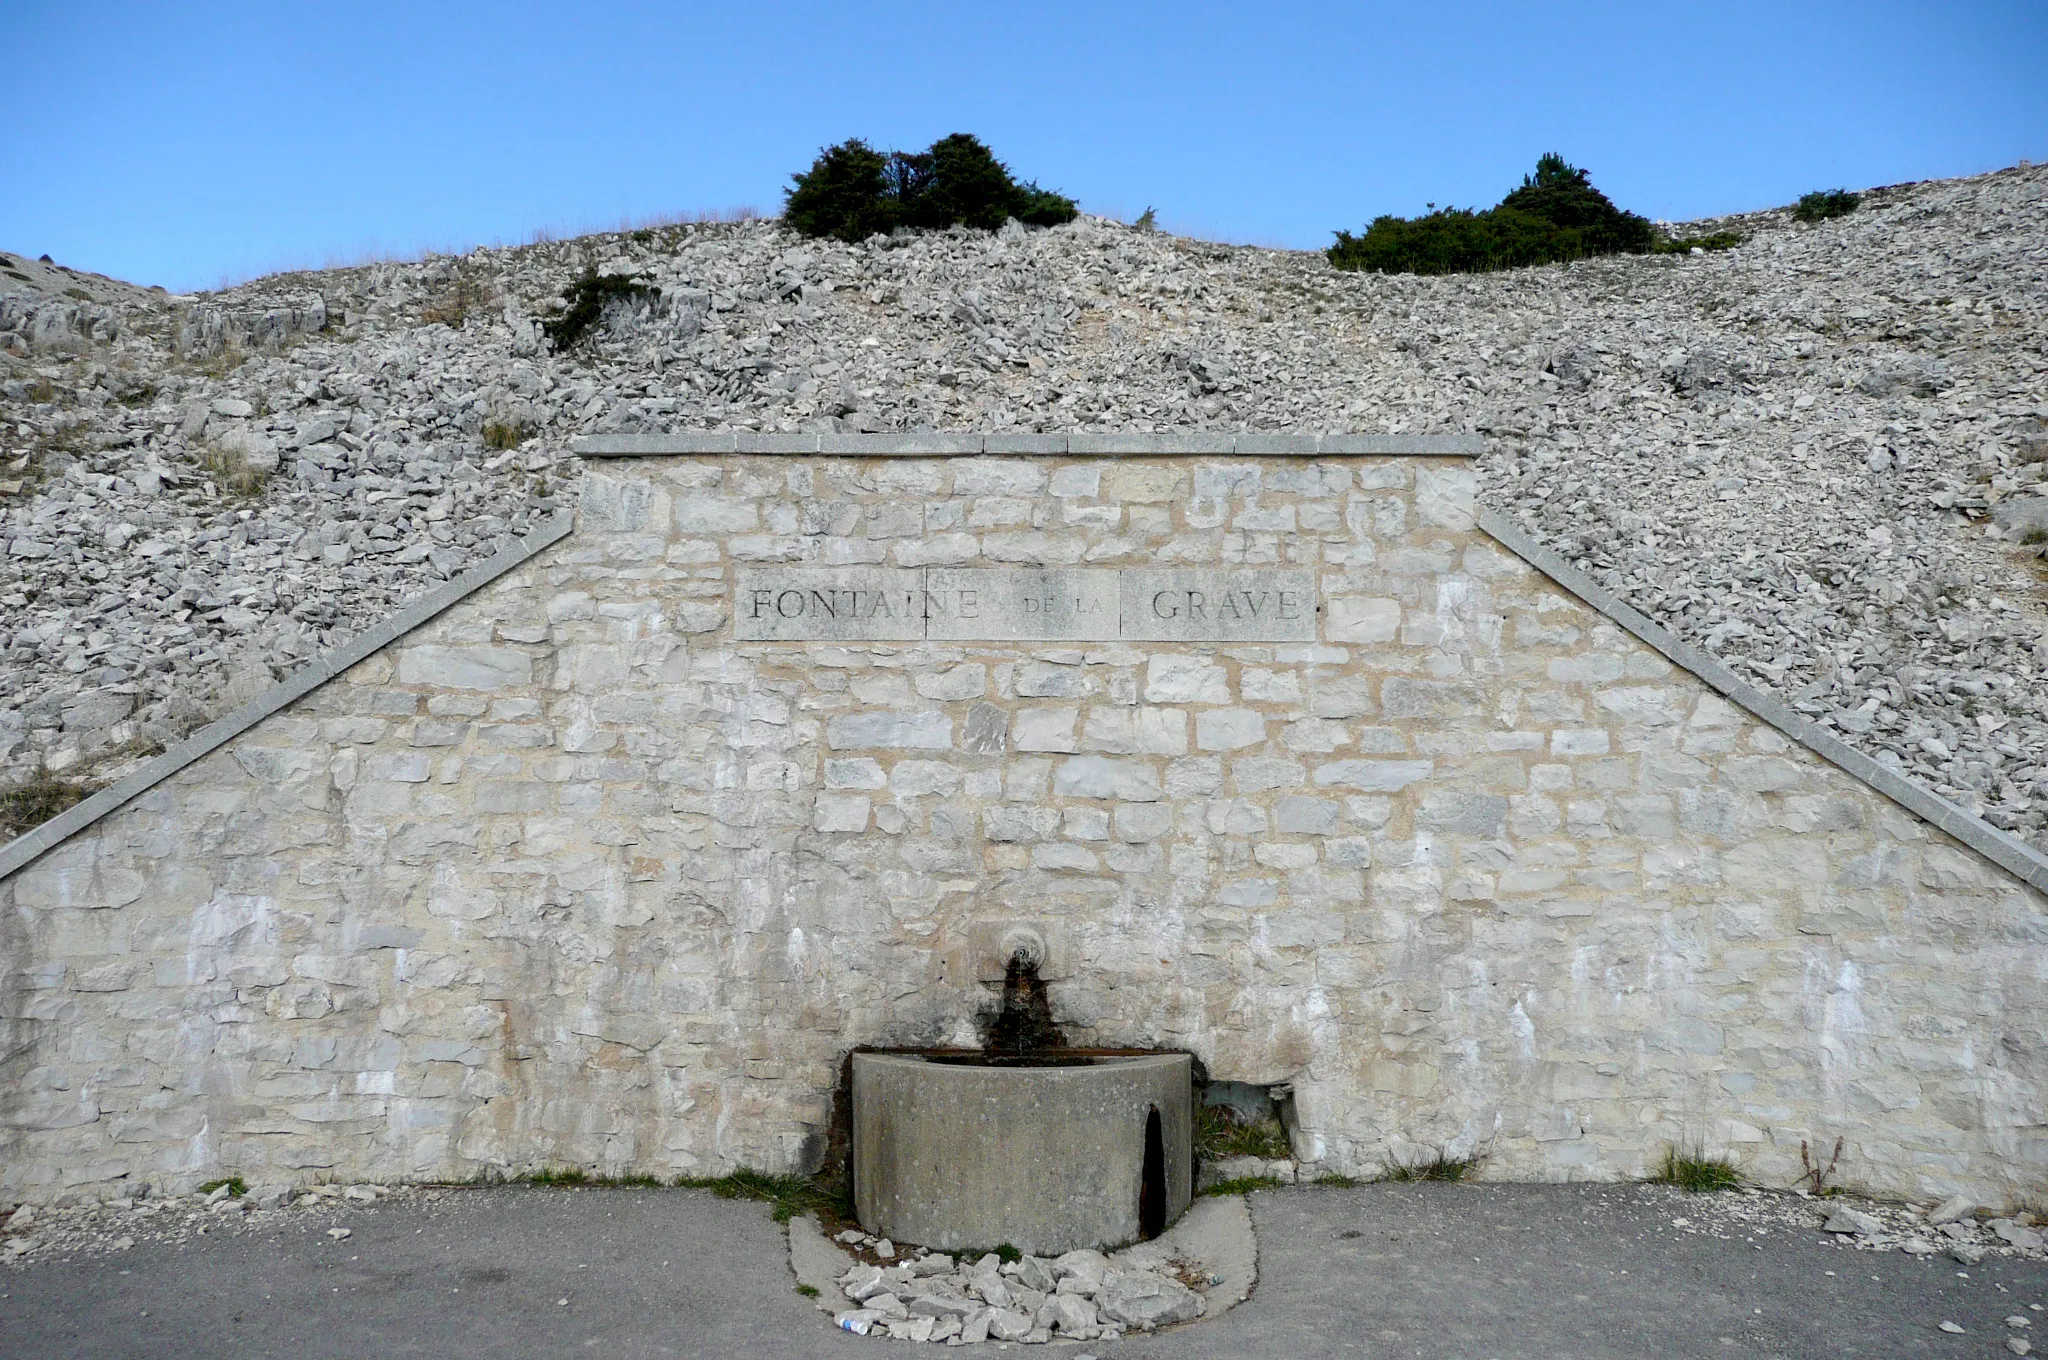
[[1050, 1154]]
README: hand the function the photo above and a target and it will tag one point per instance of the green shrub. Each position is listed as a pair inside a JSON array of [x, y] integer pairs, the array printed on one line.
[[1555, 215], [853, 191], [1820, 205], [1564, 196], [586, 300], [236, 1187], [1685, 245]]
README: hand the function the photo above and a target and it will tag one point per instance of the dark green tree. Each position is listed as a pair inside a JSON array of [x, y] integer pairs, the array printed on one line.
[[852, 191], [968, 185], [1563, 195], [846, 193]]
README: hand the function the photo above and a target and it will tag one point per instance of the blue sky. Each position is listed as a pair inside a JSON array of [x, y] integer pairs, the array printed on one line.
[[183, 144]]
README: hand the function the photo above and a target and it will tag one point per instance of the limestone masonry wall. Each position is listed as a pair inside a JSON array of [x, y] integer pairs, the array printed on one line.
[[569, 876]]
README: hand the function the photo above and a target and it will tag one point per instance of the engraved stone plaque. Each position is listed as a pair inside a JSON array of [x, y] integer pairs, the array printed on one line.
[[1004, 604], [1023, 604], [821, 603], [1208, 605]]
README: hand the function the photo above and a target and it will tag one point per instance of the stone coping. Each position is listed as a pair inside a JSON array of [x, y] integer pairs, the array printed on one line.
[[2005, 850], [218, 733], [1074, 443]]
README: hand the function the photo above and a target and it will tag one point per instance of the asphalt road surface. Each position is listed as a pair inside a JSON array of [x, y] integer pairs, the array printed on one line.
[[1471, 1272]]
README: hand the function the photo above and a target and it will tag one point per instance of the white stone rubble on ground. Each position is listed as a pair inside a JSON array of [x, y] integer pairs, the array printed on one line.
[[1822, 456], [36, 1233], [1957, 1227], [1081, 1296]]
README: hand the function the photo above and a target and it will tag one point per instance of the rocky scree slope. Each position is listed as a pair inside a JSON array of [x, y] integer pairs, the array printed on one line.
[[1822, 456]]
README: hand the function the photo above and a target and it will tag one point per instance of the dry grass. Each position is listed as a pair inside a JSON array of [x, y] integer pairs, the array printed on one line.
[[231, 473], [504, 434], [37, 799], [1222, 1132], [365, 257]]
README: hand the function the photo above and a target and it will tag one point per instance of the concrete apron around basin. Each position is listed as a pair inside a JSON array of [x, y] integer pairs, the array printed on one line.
[[1048, 1156]]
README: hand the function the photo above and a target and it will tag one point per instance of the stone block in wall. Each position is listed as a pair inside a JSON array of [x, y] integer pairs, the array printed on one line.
[[890, 731], [483, 668]]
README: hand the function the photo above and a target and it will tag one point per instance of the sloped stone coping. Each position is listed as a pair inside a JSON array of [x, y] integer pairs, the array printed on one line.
[[2007, 851], [69, 823], [1076, 443]]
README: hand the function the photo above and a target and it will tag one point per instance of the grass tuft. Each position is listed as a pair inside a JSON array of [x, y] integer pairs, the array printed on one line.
[[232, 473], [1440, 1167], [501, 435], [809, 1291], [789, 1196], [1692, 1169], [576, 1175], [1244, 1185], [235, 1185], [452, 307], [1222, 1132], [36, 800]]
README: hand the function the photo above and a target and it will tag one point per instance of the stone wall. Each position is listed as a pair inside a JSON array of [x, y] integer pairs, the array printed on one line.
[[569, 876]]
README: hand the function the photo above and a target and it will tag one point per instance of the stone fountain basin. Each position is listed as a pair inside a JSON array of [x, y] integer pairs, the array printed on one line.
[[1049, 1153]]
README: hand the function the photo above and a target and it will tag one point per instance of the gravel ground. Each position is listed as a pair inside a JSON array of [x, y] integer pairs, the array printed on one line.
[[1428, 1270], [1822, 455]]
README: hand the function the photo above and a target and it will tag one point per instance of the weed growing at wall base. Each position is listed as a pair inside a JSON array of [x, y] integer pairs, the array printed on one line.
[[1814, 1174], [1440, 1167], [1243, 1185], [1220, 1133], [789, 1196], [1692, 1169]]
